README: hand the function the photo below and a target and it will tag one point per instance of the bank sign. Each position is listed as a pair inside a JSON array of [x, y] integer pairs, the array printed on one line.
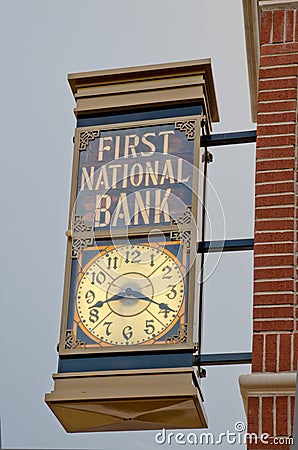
[[135, 175]]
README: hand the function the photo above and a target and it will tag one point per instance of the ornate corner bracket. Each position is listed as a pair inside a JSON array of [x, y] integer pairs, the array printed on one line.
[[71, 342], [82, 235], [185, 219], [189, 128], [179, 338], [184, 236], [85, 137]]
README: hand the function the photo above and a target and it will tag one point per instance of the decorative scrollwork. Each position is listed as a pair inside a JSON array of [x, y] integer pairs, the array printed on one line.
[[79, 225], [83, 236], [179, 338], [85, 137], [71, 342], [79, 244], [184, 236], [189, 128], [185, 218]]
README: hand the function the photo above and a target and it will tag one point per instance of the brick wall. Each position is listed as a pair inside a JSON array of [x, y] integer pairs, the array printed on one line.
[[275, 336]]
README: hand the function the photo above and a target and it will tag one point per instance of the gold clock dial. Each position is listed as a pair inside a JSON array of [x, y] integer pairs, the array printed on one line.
[[130, 295]]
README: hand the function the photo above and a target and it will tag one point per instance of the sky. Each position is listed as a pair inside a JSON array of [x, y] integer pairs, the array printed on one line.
[[41, 42]]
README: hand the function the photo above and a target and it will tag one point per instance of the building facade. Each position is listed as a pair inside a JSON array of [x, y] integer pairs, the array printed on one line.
[[271, 29]]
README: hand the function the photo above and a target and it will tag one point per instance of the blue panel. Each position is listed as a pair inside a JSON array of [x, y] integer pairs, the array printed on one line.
[[104, 119], [125, 362]]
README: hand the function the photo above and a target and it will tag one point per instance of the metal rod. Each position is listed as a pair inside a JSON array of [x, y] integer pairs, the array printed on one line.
[[223, 359], [239, 137], [231, 245], [201, 293]]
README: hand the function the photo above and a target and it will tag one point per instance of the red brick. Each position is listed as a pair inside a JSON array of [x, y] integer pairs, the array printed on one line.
[[278, 83], [282, 415], [279, 49], [272, 249], [274, 286], [253, 415], [267, 415], [278, 25], [276, 129], [272, 176], [276, 141], [273, 325], [277, 118], [280, 272], [277, 236], [283, 94], [279, 60], [267, 225], [285, 352], [289, 26], [277, 164], [274, 299], [257, 352], [278, 72], [266, 25], [273, 260], [274, 213], [270, 352], [280, 312], [272, 188], [276, 107], [283, 152], [271, 200]]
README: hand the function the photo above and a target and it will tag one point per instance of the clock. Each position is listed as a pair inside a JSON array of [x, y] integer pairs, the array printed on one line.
[[130, 295]]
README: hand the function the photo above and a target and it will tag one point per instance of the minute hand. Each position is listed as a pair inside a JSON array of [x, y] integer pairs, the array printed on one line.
[[139, 295]]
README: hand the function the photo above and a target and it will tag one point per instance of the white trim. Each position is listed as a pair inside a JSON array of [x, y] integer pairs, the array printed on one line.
[[264, 384], [277, 4], [251, 25], [272, 293], [282, 305], [266, 280], [251, 14]]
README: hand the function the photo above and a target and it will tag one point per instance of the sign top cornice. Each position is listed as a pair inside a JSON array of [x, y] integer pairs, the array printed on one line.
[[174, 82]]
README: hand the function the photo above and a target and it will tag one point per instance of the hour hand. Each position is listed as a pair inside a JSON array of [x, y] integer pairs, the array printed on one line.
[[99, 304]]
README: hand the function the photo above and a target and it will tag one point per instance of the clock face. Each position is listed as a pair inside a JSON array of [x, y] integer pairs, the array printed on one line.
[[129, 295]]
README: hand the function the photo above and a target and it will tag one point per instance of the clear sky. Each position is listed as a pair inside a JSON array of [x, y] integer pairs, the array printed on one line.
[[41, 42]]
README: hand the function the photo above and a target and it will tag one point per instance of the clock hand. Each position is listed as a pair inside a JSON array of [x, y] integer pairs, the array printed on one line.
[[100, 303], [128, 293], [165, 306], [120, 296], [139, 295]]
